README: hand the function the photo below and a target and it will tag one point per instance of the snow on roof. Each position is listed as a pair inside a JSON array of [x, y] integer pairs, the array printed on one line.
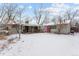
[[63, 22], [30, 24], [49, 24], [11, 22], [35, 24], [52, 23], [46, 24], [68, 21]]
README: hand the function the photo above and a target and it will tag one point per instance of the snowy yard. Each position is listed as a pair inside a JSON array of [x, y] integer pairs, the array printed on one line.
[[44, 44]]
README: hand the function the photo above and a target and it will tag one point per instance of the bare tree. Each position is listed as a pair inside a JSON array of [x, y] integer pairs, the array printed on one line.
[[41, 15], [70, 15], [2, 13], [38, 15], [10, 12], [20, 14], [59, 23], [7, 13], [45, 17]]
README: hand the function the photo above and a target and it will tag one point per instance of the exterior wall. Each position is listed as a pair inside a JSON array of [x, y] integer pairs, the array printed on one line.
[[12, 29], [31, 29], [47, 29], [65, 28], [54, 30]]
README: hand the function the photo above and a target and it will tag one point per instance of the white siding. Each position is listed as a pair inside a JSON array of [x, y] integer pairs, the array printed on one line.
[[65, 29]]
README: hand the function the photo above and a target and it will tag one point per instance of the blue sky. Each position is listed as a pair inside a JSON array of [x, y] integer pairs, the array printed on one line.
[[52, 7]]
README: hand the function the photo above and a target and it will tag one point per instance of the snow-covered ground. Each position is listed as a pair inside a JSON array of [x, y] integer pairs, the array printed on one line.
[[44, 44]]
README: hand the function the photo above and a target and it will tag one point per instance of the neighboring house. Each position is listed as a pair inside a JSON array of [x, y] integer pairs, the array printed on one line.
[[2, 30], [11, 26]]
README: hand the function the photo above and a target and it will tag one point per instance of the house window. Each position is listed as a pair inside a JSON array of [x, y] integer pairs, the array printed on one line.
[[53, 27]]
